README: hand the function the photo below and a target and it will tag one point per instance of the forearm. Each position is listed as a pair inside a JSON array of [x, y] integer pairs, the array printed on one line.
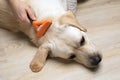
[[12, 4], [12, 1]]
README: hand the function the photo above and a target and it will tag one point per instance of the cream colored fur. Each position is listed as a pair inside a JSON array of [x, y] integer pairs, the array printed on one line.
[[62, 38]]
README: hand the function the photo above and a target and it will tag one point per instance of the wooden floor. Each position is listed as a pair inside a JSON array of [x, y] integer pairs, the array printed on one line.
[[102, 19]]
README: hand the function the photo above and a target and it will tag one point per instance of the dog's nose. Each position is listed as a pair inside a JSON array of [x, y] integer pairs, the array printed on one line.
[[95, 59]]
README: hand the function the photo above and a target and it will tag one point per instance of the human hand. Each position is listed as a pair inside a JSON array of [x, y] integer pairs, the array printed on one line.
[[20, 10]]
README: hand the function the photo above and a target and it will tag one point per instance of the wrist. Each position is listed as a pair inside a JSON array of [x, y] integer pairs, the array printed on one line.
[[11, 2]]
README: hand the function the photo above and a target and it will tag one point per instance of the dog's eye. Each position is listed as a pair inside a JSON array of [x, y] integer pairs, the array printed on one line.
[[82, 42], [72, 56]]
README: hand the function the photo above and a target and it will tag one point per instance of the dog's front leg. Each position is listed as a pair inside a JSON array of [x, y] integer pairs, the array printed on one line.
[[39, 59]]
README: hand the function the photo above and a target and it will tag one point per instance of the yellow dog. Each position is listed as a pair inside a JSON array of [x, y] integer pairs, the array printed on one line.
[[65, 38]]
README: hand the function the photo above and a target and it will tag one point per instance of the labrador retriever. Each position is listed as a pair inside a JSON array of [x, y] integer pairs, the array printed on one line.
[[65, 38]]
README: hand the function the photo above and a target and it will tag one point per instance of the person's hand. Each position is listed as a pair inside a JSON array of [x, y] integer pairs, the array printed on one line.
[[20, 10]]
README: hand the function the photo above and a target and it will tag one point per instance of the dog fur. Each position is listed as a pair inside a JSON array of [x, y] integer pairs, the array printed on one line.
[[63, 38]]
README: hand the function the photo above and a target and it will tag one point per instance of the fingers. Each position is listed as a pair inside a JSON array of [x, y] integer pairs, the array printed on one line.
[[22, 17], [20, 10], [30, 13]]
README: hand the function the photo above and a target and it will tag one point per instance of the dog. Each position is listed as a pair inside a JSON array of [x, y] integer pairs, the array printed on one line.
[[65, 38]]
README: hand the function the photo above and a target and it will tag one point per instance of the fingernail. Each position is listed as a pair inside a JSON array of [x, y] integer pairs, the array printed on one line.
[[34, 18]]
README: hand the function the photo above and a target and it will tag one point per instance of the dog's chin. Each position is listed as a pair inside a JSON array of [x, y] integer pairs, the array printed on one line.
[[91, 67], [87, 63]]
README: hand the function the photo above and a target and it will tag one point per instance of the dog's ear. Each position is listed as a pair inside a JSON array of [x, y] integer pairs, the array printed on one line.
[[39, 59], [70, 19]]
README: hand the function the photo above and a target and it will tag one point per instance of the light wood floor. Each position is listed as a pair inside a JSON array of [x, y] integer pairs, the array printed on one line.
[[101, 17]]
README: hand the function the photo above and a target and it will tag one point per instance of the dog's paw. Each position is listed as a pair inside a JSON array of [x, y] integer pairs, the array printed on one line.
[[36, 66]]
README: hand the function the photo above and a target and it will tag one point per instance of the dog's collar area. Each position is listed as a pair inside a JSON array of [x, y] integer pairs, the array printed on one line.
[[41, 27]]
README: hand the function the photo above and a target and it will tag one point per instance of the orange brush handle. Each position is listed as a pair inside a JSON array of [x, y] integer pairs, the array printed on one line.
[[41, 26]]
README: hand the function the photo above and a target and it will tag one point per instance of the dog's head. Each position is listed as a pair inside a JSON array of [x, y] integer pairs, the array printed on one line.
[[71, 42]]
